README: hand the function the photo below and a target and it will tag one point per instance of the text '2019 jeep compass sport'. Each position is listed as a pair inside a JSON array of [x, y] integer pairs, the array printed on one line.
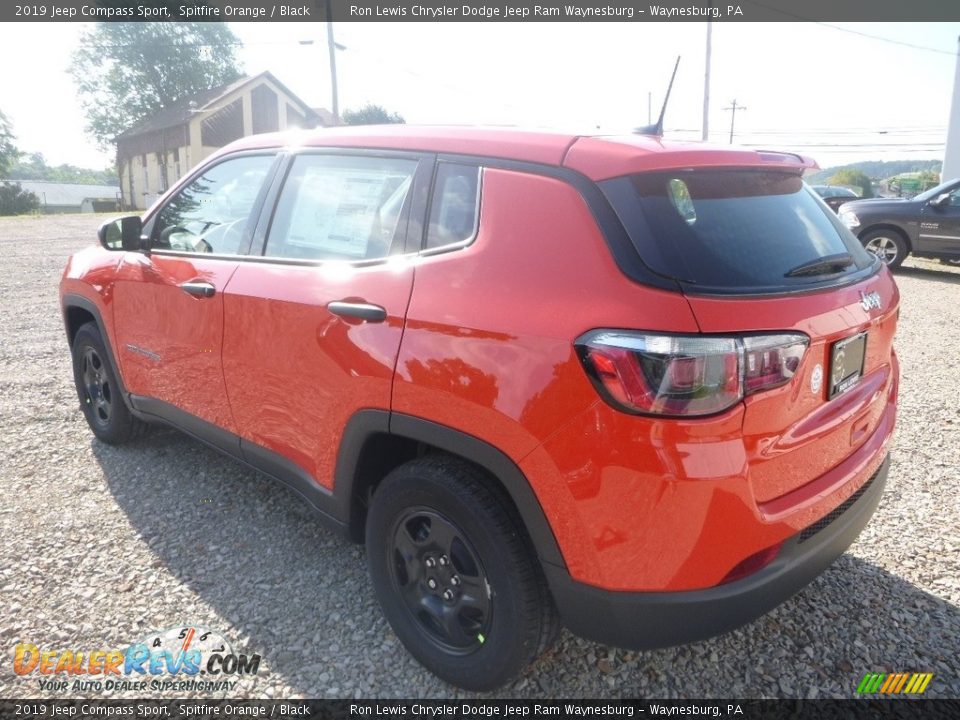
[[641, 387]]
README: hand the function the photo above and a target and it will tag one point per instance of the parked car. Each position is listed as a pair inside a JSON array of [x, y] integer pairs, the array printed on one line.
[[928, 225], [835, 195], [641, 387]]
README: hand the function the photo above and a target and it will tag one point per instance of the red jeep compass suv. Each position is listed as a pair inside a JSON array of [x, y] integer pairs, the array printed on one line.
[[641, 387]]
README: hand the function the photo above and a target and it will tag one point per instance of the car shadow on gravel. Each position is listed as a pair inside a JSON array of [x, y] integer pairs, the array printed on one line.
[[282, 585], [930, 273]]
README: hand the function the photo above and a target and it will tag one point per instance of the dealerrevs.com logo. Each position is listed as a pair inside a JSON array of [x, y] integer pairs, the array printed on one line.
[[184, 658], [894, 683]]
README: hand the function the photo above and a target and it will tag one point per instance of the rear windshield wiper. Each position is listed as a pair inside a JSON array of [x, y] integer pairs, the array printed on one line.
[[822, 266]]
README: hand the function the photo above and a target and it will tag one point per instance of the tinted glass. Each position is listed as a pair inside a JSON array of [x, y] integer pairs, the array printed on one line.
[[210, 214], [736, 230], [936, 191], [453, 207], [335, 207]]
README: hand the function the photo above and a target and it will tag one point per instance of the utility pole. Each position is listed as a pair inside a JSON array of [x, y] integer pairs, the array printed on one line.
[[332, 47], [951, 154], [733, 115], [706, 85]]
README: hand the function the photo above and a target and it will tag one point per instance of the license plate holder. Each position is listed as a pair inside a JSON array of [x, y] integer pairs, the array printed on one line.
[[846, 363]]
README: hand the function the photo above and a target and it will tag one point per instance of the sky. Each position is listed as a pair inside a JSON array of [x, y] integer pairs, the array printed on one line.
[[836, 92]]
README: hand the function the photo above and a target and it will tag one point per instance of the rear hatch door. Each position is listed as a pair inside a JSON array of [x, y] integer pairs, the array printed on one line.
[[757, 252]]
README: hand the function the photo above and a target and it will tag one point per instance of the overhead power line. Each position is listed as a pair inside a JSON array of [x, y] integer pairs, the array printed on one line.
[[879, 38], [902, 43]]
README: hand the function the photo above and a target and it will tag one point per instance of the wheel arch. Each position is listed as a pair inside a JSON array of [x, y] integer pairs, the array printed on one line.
[[77, 311], [376, 441]]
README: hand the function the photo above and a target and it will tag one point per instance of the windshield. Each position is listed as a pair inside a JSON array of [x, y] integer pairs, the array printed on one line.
[[733, 230]]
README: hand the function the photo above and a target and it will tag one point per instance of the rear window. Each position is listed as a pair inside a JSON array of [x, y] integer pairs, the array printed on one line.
[[734, 230]]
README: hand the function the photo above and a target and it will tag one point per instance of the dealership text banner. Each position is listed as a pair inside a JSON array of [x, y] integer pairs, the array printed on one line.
[[491, 11]]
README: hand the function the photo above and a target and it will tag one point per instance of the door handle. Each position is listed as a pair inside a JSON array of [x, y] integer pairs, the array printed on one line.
[[360, 310], [199, 288]]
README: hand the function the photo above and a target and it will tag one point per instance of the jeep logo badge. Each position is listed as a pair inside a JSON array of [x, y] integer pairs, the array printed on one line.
[[869, 300]]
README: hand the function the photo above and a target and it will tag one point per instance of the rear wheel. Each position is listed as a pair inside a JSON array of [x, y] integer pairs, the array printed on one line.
[[454, 574], [888, 245], [99, 391]]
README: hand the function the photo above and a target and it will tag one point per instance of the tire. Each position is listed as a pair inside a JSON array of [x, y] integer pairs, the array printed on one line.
[[438, 519], [101, 400], [888, 245]]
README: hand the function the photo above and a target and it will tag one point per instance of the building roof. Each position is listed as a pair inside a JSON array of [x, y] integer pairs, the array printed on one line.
[[68, 194], [184, 109], [326, 117], [597, 156]]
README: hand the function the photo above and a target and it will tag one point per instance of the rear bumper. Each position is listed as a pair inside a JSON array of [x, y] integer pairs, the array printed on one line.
[[640, 620]]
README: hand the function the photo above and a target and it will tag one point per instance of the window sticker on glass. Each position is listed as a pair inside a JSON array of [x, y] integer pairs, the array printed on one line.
[[335, 210], [680, 197], [340, 208]]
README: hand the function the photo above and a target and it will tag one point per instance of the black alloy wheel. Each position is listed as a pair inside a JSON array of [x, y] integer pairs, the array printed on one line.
[[100, 393], [456, 574], [96, 386], [441, 580]]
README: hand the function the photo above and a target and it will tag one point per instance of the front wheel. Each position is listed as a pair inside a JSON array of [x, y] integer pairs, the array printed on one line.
[[888, 245], [454, 574], [99, 391]]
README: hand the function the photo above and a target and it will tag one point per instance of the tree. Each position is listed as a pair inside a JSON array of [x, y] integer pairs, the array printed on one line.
[[854, 178], [33, 166], [8, 151], [126, 72], [371, 114], [14, 200]]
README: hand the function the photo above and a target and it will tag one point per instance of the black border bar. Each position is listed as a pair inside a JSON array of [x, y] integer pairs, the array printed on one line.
[[484, 11], [871, 707]]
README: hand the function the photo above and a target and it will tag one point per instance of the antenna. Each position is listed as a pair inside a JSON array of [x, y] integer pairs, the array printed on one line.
[[657, 129]]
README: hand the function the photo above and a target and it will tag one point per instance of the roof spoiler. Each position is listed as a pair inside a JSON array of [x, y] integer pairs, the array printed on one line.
[[656, 130], [808, 164]]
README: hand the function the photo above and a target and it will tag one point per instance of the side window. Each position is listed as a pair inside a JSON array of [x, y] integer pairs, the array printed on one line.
[[211, 213], [454, 206], [340, 207]]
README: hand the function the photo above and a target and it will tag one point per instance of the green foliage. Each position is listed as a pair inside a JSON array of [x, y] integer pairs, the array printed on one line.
[[855, 178], [127, 71], [34, 167], [8, 150], [14, 200], [371, 114], [877, 169]]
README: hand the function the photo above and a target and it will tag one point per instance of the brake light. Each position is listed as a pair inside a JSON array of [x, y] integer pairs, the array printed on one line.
[[686, 375]]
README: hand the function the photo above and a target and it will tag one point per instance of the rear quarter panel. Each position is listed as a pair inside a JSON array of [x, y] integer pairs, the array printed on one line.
[[488, 344]]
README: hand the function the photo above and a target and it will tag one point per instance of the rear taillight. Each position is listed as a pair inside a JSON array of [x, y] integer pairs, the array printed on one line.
[[686, 375]]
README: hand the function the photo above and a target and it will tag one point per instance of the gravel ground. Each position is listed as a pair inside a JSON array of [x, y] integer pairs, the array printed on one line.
[[103, 545]]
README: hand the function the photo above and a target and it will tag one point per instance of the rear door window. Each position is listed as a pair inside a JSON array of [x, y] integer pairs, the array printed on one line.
[[734, 230]]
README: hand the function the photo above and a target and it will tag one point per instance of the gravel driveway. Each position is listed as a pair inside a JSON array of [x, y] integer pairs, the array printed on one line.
[[102, 545]]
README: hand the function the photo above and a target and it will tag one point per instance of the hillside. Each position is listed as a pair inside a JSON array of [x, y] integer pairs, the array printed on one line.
[[877, 169]]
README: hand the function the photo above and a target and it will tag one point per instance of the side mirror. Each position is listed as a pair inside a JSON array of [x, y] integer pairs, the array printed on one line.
[[122, 234], [940, 200]]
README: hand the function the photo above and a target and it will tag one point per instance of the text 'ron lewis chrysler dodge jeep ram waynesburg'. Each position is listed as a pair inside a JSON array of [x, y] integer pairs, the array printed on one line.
[[642, 388]]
